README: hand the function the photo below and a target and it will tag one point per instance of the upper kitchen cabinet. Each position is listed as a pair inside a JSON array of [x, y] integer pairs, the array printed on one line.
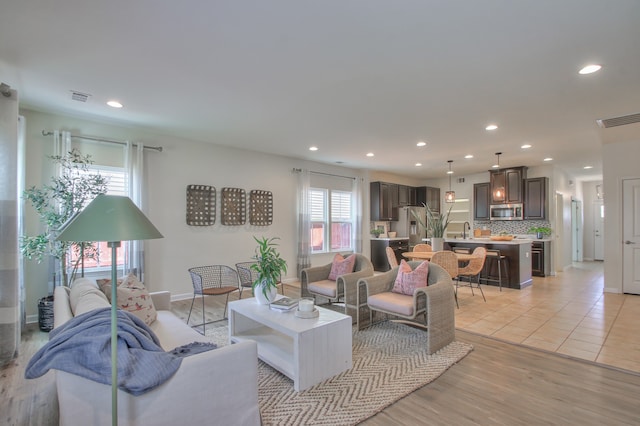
[[384, 201], [535, 203], [428, 196], [507, 185], [404, 196], [481, 201]]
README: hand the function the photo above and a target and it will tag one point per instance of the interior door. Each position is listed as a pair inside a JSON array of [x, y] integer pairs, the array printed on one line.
[[631, 236], [598, 230]]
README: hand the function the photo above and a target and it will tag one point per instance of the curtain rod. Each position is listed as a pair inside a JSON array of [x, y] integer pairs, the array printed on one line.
[[296, 170], [155, 148]]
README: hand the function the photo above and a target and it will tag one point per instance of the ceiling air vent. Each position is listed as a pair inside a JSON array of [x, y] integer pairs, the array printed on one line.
[[619, 121], [79, 96]]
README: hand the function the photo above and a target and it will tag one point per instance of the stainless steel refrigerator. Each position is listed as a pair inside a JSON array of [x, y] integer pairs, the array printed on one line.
[[408, 227]]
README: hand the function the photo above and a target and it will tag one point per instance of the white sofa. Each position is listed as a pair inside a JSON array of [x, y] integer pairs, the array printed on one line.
[[217, 387]]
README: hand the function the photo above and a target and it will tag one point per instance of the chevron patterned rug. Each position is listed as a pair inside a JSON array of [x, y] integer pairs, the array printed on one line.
[[389, 362]]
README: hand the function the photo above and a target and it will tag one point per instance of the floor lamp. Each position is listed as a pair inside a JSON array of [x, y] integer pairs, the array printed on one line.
[[113, 219]]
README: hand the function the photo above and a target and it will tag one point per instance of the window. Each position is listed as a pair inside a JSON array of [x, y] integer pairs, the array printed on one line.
[[331, 220], [117, 185]]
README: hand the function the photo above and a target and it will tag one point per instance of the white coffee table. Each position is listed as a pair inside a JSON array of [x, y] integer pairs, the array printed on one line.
[[307, 351]]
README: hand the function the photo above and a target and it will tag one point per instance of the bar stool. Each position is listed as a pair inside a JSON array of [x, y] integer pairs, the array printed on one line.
[[494, 257]]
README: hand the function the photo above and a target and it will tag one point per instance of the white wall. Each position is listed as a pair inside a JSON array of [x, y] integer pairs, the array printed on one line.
[[168, 173], [620, 161], [589, 213]]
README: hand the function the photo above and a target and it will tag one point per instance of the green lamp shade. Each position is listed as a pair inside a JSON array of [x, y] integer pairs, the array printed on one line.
[[109, 218]]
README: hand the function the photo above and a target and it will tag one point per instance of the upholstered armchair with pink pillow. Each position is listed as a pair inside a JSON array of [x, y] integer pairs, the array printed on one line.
[[402, 295], [337, 280]]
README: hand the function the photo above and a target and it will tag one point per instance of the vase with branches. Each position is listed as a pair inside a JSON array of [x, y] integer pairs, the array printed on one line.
[[437, 223], [56, 203]]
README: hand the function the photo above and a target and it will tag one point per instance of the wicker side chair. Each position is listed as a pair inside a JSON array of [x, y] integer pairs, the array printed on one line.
[[449, 262], [391, 257], [434, 302], [315, 282], [473, 270], [422, 247], [213, 280], [246, 275]]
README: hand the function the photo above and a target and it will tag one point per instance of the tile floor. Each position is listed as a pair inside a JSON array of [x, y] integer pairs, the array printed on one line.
[[568, 314]]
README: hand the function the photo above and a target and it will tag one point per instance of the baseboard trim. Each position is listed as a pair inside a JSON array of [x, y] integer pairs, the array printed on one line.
[[32, 319]]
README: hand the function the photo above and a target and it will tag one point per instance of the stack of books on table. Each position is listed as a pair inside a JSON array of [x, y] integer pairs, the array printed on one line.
[[284, 304]]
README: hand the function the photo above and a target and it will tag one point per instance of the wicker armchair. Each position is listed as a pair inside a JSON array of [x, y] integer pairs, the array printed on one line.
[[434, 302], [391, 257], [422, 247], [315, 282], [449, 262], [472, 270]]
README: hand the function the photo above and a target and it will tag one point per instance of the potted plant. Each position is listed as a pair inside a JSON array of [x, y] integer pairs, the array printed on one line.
[[269, 267], [540, 231], [376, 232], [436, 226]]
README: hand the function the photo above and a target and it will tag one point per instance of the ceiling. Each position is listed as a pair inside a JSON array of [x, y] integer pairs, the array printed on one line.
[[349, 77]]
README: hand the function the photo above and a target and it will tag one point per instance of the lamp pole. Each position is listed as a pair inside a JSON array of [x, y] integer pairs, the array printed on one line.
[[114, 331]]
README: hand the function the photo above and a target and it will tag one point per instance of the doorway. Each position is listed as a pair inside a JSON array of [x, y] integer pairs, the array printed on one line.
[[631, 236], [576, 231], [598, 230], [559, 233]]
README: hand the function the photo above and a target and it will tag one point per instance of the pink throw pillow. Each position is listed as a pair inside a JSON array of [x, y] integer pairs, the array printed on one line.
[[407, 280], [132, 297], [341, 266]]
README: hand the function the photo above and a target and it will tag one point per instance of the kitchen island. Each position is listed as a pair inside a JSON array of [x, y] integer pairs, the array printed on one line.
[[518, 251]]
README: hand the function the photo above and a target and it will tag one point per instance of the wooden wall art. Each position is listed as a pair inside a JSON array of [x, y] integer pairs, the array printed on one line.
[[201, 205], [260, 207], [233, 206]]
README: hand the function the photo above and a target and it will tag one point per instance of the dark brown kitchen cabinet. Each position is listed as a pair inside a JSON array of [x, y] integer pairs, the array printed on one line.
[[384, 201], [428, 196], [404, 196], [535, 202], [507, 185], [481, 201]]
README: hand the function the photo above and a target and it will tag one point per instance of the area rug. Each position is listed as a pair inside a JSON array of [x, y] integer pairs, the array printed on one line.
[[389, 362]]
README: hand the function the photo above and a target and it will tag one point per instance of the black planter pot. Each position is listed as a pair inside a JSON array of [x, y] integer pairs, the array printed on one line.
[[45, 313]]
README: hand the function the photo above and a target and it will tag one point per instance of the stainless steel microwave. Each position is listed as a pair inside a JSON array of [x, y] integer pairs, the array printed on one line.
[[506, 212]]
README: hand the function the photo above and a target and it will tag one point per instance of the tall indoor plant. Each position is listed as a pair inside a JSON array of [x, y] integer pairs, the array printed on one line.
[[436, 226], [56, 202], [269, 267]]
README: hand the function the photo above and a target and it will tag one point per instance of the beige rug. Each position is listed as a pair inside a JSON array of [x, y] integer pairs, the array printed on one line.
[[389, 362]]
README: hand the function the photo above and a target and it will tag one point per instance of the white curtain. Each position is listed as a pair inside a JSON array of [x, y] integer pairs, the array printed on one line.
[[304, 231], [9, 253], [61, 147], [134, 164], [356, 190]]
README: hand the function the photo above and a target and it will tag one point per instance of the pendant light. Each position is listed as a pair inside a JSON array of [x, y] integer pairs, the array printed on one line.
[[498, 191], [450, 196]]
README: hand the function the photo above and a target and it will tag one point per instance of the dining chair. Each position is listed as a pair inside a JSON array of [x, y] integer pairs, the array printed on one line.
[[449, 262], [213, 280], [246, 275], [472, 270], [422, 247], [391, 257]]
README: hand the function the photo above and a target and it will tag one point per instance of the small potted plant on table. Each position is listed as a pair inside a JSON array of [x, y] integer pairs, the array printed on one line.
[[269, 267], [540, 231]]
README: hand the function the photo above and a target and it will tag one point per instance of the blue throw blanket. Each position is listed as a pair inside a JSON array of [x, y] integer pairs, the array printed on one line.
[[82, 346]]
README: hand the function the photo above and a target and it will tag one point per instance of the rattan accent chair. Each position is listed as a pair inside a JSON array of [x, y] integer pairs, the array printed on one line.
[[449, 262], [391, 257], [422, 247], [472, 270], [246, 275], [213, 280], [315, 282], [434, 302]]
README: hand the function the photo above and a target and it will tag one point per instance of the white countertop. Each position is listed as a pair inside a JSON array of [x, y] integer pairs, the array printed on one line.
[[392, 239], [487, 240]]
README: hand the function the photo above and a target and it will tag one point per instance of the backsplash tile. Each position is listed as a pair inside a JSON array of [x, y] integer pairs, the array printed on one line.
[[517, 227]]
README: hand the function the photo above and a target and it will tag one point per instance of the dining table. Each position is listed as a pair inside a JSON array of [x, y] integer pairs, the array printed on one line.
[[426, 255]]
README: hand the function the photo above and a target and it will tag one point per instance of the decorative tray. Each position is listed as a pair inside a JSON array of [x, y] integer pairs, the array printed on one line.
[[304, 314], [501, 237]]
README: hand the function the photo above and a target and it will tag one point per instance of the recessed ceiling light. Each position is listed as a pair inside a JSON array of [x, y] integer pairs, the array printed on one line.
[[588, 167], [548, 159], [421, 143], [370, 154], [114, 104], [468, 156], [313, 148], [525, 146], [590, 69], [491, 127], [418, 164]]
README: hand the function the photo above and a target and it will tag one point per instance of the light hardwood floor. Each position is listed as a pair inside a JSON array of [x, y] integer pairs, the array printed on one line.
[[498, 383]]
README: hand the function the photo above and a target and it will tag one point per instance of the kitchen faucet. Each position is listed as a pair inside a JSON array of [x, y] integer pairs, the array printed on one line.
[[465, 226]]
